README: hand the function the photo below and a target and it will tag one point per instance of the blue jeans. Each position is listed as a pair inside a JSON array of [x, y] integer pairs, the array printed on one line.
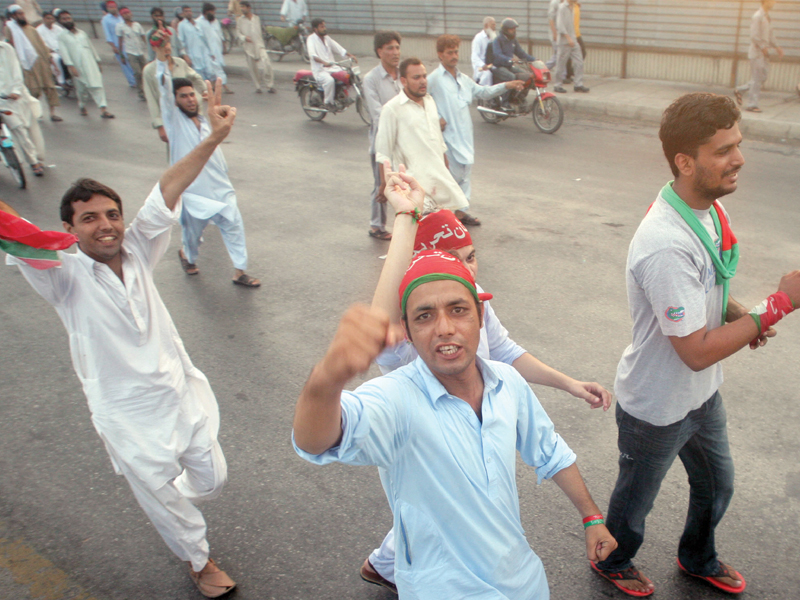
[[647, 451]]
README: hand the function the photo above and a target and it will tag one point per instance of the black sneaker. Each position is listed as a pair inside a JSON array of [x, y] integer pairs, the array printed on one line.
[[581, 89], [559, 89]]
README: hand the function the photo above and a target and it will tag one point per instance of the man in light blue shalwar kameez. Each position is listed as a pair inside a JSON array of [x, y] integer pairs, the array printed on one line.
[[212, 31]]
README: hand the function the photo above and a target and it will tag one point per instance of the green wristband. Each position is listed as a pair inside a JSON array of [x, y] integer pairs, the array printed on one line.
[[594, 522], [757, 319]]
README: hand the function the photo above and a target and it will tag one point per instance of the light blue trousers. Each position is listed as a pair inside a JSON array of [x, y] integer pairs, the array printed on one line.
[[232, 235]]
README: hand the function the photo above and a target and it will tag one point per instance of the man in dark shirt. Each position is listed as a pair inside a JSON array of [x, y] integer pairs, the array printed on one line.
[[505, 48]]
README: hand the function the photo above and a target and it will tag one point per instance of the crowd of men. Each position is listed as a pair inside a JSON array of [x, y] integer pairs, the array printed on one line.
[[454, 405]]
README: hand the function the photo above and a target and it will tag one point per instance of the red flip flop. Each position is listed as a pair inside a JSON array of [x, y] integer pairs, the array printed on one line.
[[724, 571], [627, 574]]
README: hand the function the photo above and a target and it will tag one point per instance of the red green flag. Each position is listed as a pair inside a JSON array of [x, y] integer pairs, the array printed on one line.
[[30, 244]]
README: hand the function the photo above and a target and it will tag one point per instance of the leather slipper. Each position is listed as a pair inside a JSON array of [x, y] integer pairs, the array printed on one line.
[[188, 268], [212, 584], [626, 575], [724, 571], [247, 281]]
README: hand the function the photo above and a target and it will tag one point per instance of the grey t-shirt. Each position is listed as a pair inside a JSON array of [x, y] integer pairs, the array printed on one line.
[[672, 291]]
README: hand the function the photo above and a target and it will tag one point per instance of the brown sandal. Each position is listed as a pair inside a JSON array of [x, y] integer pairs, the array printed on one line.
[[212, 584]]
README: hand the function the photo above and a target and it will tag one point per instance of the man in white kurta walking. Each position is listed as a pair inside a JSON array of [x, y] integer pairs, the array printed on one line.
[[49, 31], [409, 133], [15, 98], [322, 50], [211, 197], [196, 50], [212, 30], [83, 63], [153, 409], [248, 27]]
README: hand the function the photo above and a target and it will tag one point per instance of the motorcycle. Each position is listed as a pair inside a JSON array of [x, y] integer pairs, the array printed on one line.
[[312, 97], [283, 40], [9, 155], [548, 115]]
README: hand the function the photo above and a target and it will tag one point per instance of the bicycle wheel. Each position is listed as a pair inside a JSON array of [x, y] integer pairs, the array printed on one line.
[[361, 107], [12, 162], [311, 99], [548, 114]]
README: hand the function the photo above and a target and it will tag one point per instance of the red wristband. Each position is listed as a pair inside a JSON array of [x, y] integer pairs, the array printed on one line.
[[771, 310], [592, 518]]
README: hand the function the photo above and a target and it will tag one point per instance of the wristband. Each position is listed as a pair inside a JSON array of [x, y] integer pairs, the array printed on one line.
[[587, 524], [771, 310], [592, 518], [414, 214]]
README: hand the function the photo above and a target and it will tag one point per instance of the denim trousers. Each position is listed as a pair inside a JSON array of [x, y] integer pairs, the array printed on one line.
[[647, 451]]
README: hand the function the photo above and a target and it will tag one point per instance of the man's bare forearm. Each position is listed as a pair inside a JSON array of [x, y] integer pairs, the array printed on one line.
[[318, 414], [573, 486]]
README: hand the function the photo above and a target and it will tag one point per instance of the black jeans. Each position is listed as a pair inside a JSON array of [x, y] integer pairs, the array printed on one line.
[[503, 74], [646, 453]]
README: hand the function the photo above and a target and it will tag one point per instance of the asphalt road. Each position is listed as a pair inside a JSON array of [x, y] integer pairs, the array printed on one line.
[[558, 211]]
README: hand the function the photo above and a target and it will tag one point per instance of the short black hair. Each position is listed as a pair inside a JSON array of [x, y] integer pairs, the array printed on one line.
[[48, 13], [692, 120], [156, 9], [245, 3], [181, 82], [63, 11], [185, 6], [82, 191], [413, 60], [316, 22], [384, 37], [207, 6]]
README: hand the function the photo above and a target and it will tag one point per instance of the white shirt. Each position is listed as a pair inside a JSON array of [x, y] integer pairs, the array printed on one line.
[[211, 192], [480, 43], [50, 36], [324, 49], [410, 134], [251, 28], [132, 38], [294, 11], [125, 349]]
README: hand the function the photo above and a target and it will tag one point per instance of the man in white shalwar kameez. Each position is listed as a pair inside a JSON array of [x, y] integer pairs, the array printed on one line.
[[258, 63], [212, 30], [22, 121], [49, 31], [83, 63], [211, 197], [153, 409], [195, 45]]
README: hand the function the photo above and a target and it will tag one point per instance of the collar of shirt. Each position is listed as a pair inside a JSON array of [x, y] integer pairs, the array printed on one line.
[[434, 389], [404, 99]]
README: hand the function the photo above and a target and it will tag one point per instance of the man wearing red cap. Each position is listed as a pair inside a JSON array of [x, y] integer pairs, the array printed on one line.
[[441, 230], [444, 430]]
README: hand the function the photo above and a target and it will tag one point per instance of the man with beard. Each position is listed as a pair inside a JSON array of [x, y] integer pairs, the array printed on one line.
[[34, 57], [211, 197], [159, 22], [680, 263], [212, 30], [410, 133], [381, 84], [109, 22], [505, 50], [177, 67], [248, 27], [321, 50], [482, 72], [131, 42], [83, 63], [154, 410]]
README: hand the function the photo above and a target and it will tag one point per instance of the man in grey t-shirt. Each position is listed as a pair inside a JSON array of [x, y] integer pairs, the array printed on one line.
[[680, 263]]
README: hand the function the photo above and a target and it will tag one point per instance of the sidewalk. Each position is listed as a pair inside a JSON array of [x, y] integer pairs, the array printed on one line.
[[639, 99]]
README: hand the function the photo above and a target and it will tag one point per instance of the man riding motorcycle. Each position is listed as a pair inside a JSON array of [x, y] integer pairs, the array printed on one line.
[[505, 48]]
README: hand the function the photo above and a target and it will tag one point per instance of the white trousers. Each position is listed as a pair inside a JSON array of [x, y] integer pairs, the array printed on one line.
[[98, 94], [261, 70], [382, 559], [484, 78], [328, 83], [232, 235], [461, 173]]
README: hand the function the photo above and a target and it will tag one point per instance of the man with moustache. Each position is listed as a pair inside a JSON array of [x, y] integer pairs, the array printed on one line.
[[34, 57], [680, 264], [196, 48], [211, 197], [409, 133], [445, 430], [83, 63], [322, 49], [248, 27], [212, 30], [159, 22], [381, 84]]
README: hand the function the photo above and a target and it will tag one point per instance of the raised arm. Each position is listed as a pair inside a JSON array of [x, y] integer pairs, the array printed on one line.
[[405, 196], [180, 175], [362, 334]]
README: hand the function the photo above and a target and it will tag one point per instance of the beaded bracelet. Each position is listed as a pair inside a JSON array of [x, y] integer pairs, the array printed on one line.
[[593, 520], [414, 214]]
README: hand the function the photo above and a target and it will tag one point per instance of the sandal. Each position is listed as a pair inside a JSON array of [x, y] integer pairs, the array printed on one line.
[[754, 109], [213, 584], [38, 170], [467, 219], [723, 571], [370, 575], [188, 268], [631, 573], [247, 281], [106, 115], [84, 112], [738, 96], [380, 235], [55, 118]]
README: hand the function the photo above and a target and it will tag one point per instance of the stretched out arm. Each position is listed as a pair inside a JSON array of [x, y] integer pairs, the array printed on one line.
[[535, 371]]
